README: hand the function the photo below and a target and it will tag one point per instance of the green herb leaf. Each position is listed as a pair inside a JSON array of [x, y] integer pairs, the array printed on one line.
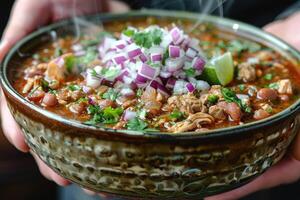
[[273, 86], [242, 87], [147, 39], [268, 77], [230, 96], [190, 72], [128, 32], [111, 115], [212, 99], [176, 115], [70, 62], [90, 56], [136, 124], [44, 84], [108, 115], [111, 94], [74, 87], [139, 92]]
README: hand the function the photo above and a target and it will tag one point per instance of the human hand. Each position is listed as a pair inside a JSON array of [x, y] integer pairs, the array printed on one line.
[[287, 29], [287, 170], [26, 16]]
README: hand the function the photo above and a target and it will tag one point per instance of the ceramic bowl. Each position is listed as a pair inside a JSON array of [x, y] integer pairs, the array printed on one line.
[[151, 165]]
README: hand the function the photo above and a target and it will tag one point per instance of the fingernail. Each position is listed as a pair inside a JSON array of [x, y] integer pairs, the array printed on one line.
[[2, 44]]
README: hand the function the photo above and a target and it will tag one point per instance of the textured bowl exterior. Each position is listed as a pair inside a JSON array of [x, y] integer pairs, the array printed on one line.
[[155, 169], [142, 166]]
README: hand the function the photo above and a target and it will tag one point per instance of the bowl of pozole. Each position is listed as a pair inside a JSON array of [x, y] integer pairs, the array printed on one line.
[[154, 104]]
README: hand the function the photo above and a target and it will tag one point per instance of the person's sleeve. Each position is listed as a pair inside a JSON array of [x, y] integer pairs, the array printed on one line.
[[289, 11]]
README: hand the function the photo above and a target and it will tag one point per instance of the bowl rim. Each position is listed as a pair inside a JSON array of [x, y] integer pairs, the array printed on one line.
[[220, 132]]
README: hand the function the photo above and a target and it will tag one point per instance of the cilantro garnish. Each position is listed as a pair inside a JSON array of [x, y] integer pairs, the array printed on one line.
[[273, 86], [90, 56], [107, 115], [268, 77], [136, 124], [147, 39], [44, 84], [128, 32], [190, 72], [230, 96], [212, 99], [74, 87], [70, 62], [111, 94], [242, 87], [139, 92], [176, 115]]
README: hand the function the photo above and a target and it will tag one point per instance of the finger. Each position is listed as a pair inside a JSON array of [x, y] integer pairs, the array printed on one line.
[[117, 6], [295, 151], [89, 192], [49, 173], [25, 17], [66, 8], [286, 171], [10, 128]]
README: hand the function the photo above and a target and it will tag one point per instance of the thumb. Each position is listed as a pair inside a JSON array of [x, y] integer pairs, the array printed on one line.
[[26, 15]]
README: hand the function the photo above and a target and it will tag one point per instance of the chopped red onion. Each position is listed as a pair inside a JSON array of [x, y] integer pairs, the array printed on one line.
[[170, 83], [128, 115], [198, 64], [92, 100], [173, 65], [120, 44], [107, 43], [165, 74], [163, 90], [148, 71], [92, 80], [124, 72], [77, 47], [180, 87], [86, 89], [79, 53], [60, 62], [133, 50], [176, 35], [143, 57], [191, 53], [190, 87], [141, 79], [119, 58], [156, 57], [127, 92], [174, 51]]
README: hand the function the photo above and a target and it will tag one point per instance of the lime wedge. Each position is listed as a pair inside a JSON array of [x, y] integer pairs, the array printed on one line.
[[224, 68], [209, 75]]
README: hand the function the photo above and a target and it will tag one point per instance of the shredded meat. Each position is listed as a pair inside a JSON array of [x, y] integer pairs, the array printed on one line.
[[63, 96], [217, 112], [36, 70], [194, 121], [285, 87], [149, 98], [56, 69], [246, 72], [187, 103], [214, 90], [78, 108]]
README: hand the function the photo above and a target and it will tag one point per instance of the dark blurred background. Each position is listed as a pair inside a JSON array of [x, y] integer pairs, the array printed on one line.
[[21, 180]]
